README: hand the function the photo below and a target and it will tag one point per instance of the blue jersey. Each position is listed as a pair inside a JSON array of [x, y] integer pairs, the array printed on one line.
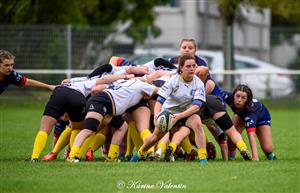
[[257, 116], [13, 78], [218, 92]]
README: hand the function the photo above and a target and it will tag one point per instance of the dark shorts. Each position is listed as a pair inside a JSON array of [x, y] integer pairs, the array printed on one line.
[[100, 103], [116, 122], [142, 103], [66, 100], [182, 122], [212, 105]]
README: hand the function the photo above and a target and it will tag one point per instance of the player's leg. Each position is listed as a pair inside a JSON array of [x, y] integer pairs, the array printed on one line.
[[239, 125], [121, 127], [91, 124], [47, 123], [97, 142], [141, 116], [264, 135], [194, 122], [148, 143], [177, 138], [162, 146], [225, 123]]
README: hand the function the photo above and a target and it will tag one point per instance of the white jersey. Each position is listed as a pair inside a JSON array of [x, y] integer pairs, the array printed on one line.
[[83, 86], [118, 70], [167, 77], [152, 68], [179, 95], [127, 93]]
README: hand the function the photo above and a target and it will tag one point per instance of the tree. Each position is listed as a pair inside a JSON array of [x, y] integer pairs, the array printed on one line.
[[228, 10], [287, 10], [84, 13]]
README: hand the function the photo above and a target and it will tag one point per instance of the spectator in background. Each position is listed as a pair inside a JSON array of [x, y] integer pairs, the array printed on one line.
[[9, 76]]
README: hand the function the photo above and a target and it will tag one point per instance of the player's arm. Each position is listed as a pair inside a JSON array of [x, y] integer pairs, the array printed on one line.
[[100, 70], [155, 75], [37, 84], [157, 107], [139, 70], [252, 140], [209, 86], [190, 111], [112, 78], [98, 88]]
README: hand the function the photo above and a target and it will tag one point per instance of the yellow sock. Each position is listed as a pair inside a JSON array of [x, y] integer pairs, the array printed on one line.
[[163, 147], [241, 145], [144, 134], [174, 146], [63, 140], [98, 140], [135, 136], [202, 153], [73, 136], [186, 145], [39, 144], [74, 152], [113, 152], [141, 153], [86, 144]]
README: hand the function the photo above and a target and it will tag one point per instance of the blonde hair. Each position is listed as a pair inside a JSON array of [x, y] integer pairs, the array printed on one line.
[[189, 40], [4, 54]]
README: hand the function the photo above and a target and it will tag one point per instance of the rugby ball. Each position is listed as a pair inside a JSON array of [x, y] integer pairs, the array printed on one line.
[[164, 121]]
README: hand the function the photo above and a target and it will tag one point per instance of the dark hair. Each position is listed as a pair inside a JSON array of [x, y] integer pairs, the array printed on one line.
[[246, 89], [188, 40], [182, 59], [4, 54]]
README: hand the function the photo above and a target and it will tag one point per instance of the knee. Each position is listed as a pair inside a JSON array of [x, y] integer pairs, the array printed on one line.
[[91, 124]]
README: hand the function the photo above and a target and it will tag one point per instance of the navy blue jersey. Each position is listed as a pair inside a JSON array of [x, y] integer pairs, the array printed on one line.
[[257, 116], [13, 78], [199, 61], [217, 91]]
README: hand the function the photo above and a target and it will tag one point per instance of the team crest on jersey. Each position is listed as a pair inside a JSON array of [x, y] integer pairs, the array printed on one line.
[[176, 88], [193, 91]]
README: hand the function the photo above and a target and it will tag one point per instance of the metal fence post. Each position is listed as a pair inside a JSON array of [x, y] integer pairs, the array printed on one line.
[[69, 50]]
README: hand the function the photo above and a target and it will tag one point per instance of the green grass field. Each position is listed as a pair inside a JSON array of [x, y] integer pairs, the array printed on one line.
[[19, 122]]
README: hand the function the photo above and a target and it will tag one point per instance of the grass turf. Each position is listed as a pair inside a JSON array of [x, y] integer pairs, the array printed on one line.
[[19, 122]]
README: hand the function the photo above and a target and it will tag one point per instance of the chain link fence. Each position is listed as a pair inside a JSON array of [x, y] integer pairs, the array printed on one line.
[[72, 47]]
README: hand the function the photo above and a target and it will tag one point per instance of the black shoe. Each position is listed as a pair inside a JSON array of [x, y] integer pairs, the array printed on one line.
[[191, 156], [271, 156], [179, 154], [211, 151], [246, 155], [151, 157], [168, 154]]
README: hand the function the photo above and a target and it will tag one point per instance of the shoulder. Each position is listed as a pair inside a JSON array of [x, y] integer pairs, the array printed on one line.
[[173, 60], [200, 61]]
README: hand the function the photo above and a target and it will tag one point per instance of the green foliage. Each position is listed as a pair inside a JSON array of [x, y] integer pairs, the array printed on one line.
[[139, 13], [228, 9], [41, 12], [286, 11]]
